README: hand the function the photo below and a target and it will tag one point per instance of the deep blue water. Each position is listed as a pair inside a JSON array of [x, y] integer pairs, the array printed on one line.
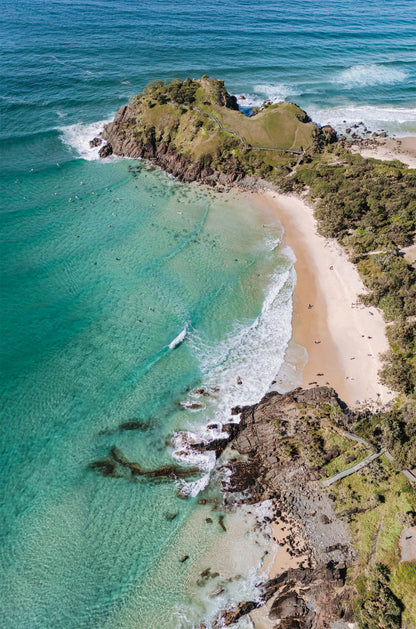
[[104, 264]]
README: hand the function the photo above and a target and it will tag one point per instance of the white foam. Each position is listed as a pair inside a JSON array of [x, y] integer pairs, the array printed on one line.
[[77, 138], [253, 353], [400, 120], [275, 93], [176, 341], [367, 75]]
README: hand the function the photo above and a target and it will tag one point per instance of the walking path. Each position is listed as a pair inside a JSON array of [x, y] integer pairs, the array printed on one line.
[[358, 466], [354, 468]]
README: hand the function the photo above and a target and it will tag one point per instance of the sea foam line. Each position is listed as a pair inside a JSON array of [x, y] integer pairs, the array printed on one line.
[[401, 120], [274, 93]]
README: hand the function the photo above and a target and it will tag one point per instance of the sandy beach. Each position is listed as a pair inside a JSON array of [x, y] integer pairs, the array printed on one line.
[[342, 337], [403, 149]]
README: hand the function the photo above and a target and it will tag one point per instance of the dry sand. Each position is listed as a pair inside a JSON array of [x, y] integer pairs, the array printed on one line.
[[343, 339], [403, 149]]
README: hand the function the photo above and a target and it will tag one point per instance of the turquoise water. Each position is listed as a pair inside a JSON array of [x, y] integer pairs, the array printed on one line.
[[124, 291], [108, 264]]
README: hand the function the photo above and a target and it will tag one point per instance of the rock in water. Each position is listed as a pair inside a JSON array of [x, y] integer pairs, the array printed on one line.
[[95, 142], [105, 151]]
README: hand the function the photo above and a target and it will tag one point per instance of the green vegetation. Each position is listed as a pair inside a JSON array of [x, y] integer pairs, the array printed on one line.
[[199, 121], [377, 605], [376, 502], [394, 429]]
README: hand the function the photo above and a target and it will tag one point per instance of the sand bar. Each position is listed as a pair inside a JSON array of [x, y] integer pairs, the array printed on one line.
[[343, 338]]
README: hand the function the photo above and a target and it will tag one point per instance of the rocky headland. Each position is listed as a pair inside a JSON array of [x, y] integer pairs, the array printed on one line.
[[195, 131], [282, 450]]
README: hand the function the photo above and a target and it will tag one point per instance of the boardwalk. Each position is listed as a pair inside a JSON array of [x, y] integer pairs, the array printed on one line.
[[354, 468]]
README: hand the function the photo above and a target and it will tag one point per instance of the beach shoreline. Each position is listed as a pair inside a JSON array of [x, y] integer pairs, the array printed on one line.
[[343, 338]]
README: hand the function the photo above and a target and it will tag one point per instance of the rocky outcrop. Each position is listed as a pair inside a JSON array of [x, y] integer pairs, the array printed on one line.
[[276, 439], [167, 158], [329, 133], [121, 140], [95, 142]]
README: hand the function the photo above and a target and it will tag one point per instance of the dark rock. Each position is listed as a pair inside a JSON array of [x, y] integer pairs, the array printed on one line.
[[288, 606], [192, 405], [106, 150], [134, 424], [95, 142], [329, 133], [332, 453], [108, 467], [184, 558], [233, 615], [216, 445], [244, 475], [208, 520]]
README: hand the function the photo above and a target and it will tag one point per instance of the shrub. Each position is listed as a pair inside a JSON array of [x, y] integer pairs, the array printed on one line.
[[377, 606]]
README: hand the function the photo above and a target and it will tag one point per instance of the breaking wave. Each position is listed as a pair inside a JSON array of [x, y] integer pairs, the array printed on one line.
[[238, 371], [77, 138], [275, 93], [368, 75], [399, 120]]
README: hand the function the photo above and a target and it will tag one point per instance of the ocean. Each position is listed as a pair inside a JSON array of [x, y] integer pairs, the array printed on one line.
[[128, 297]]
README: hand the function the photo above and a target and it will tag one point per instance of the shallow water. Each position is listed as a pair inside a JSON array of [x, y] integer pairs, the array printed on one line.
[[124, 291]]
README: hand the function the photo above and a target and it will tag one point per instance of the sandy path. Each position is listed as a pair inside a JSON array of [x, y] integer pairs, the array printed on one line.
[[343, 340]]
